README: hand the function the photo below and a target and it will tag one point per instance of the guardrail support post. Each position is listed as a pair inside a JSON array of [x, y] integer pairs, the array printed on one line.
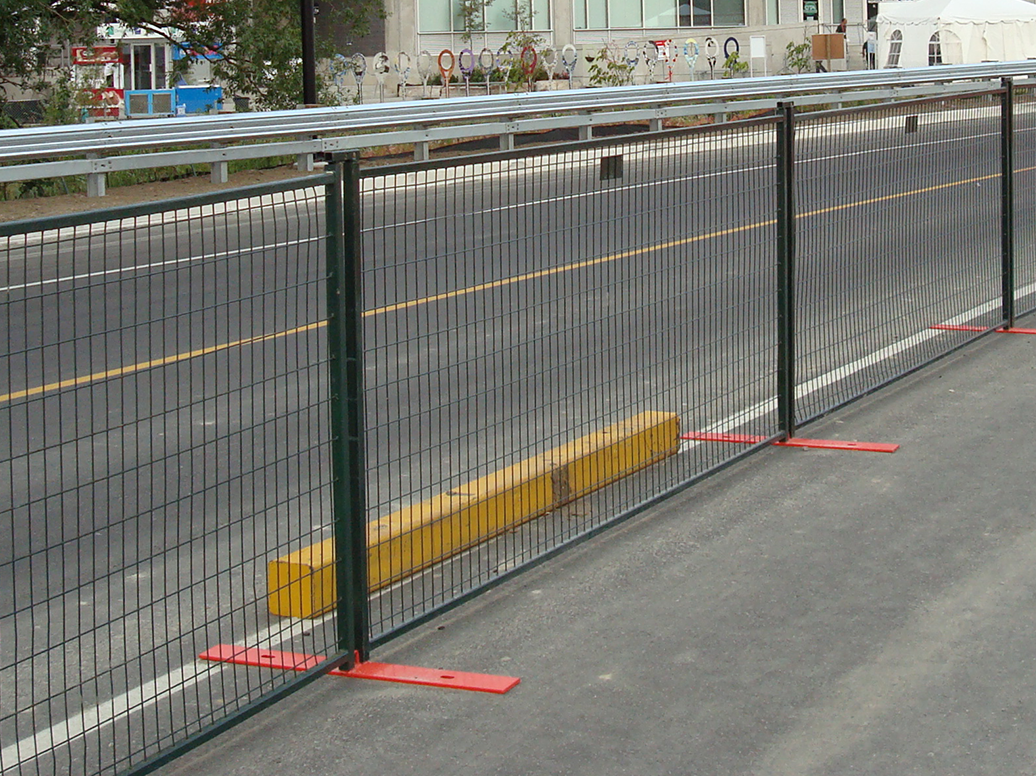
[[422, 150], [786, 268], [219, 172], [507, 141], [96, 182], [304, 162], [345, 362], [1007, 200], [586, 132]]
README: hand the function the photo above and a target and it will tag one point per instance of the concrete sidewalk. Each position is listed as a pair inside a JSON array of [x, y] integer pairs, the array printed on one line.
[[804, 612]]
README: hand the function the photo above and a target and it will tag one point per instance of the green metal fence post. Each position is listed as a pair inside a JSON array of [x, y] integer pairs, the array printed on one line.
[[345, 349], [786, 268], [1007, 200]]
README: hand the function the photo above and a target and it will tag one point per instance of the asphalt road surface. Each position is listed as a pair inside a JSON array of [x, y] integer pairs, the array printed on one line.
[[165, 405]]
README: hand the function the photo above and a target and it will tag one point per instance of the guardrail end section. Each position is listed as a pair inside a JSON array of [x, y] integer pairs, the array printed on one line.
[[302, 583]]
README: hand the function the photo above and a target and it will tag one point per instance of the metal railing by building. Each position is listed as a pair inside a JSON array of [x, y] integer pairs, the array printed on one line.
[[94, 150], [306, 417]]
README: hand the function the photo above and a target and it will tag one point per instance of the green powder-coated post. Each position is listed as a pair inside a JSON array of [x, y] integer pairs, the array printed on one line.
[[1007, 200], [786, 268], [345, 348]]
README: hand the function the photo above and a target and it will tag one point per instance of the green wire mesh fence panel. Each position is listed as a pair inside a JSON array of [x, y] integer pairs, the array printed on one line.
[[540, 324], [163, 434], [1025, 199], [898, 232]]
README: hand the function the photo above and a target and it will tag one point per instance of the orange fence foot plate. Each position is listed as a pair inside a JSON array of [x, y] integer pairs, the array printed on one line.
[[838, 444], [955, 327], [1017, 331], [385, 672], [739, 439]]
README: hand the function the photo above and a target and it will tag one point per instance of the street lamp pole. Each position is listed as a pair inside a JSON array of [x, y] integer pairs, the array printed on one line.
[[309, 54]]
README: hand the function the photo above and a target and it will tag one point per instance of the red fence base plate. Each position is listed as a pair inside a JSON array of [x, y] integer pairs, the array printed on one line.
[[386, 672], [822, 444], [838, 444], [738, 439], [955, 327]]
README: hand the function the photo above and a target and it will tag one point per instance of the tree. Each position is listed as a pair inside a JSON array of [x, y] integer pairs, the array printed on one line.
[[254, 46]]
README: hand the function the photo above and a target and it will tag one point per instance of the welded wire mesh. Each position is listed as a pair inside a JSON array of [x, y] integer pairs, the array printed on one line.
[[518, 303], [898, 231], [162, 434], [1025, 199]]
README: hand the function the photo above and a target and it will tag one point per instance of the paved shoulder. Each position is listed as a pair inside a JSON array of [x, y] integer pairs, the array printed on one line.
[[806, 612]]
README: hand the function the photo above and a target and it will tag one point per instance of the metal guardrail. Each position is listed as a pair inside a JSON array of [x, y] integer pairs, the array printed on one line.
[[436, 387], [126, 145]]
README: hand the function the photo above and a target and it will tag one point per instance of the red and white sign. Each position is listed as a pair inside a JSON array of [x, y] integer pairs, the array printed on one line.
[[105, 103], [96, 55]]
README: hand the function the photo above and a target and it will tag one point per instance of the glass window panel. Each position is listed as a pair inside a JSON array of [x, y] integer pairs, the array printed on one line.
[[683, 12], [624, 13], [728, 13], [659, 13], [500, 15], [435, 15], [598, 12], [702, 13], [580, 14], [773, 14], [541, 14]]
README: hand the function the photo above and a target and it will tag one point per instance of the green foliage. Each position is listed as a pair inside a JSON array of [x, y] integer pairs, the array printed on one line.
[[734, 66], [605, 71], [798, 57], [472, 16], [258, 40], [65, 101]]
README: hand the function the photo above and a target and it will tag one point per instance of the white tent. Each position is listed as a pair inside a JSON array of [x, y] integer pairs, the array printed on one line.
[[916, 33]]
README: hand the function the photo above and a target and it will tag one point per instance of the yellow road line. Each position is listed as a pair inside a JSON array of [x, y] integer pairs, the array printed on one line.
[[126, 370]]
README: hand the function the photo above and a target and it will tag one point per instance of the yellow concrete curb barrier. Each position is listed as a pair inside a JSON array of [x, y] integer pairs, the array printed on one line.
[[302, 583]]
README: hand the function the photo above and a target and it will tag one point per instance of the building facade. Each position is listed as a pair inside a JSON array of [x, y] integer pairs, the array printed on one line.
[[414, 26]]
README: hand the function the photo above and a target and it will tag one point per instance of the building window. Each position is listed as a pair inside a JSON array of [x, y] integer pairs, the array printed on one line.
[[895, 48], [934, 50], [501, 15], [652, 14]]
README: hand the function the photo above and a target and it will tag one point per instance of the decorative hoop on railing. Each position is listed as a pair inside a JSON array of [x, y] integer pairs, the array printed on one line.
[[358, 63], [529, 59], [446, 71], [569, 59], [488, 65], [381, 66], [466, 63], [340, 67], [711, 50], [690, 54], [549, 58], [503, 63], [425, 69], [359, 66], [726, 46], [631, 55], [650, 58], [403, 70]]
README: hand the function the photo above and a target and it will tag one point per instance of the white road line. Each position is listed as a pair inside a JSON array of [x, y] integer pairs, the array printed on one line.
[[151, 693], [158, 264], [185, 676], [121, 706], [767, 406]]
